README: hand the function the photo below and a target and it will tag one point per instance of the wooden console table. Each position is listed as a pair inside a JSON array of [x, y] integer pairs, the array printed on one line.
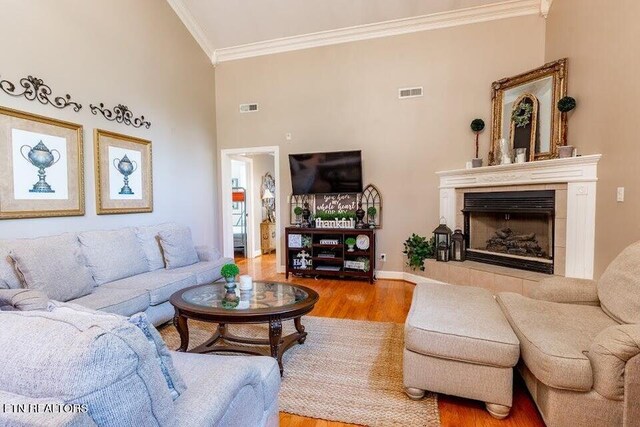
[[330, 259]]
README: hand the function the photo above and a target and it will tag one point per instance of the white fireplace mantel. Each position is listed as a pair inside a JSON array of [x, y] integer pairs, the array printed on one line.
[[580, 175]]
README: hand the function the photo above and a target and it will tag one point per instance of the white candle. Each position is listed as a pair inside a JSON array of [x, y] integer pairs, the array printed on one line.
[[246, 283]]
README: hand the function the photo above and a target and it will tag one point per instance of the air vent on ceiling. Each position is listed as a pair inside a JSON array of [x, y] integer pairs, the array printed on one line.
[[248, 108], [409, 92]]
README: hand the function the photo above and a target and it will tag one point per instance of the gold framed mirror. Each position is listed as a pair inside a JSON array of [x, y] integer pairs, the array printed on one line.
[[524, 112]]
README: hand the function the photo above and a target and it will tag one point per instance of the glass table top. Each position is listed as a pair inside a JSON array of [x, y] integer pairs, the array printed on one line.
[[264, 295]]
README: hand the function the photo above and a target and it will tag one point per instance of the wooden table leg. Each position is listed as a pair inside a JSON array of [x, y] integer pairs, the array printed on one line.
[[180, 322], [275, 335], [300, 328]]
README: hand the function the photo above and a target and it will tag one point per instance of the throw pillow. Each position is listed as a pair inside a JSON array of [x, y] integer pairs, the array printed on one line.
[[177, 247], [150, 242], [8, 273], [53, 265], [175, 383], [113, 254]]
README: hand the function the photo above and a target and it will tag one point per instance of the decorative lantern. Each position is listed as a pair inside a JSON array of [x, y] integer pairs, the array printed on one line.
[[442, 252], [458, 249], [442, 237]]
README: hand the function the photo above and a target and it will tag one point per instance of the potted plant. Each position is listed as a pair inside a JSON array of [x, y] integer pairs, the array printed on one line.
[[417, 249], [297, 211], [229, 272], [565, 105], [351, 243], [477, 125], [372, 212]]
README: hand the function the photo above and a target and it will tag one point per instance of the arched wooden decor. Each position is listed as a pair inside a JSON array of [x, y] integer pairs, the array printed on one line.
[[299, 201], [524, 134], [371, 198]]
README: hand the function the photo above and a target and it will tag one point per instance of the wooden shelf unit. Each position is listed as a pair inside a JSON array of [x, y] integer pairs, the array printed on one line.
[[339, 251]]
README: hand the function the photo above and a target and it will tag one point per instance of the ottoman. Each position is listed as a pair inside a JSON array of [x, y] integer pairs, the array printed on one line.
[[458, 342]]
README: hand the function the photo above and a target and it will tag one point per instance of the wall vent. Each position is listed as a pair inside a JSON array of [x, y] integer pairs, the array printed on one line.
[[248, 108], [409, 92]]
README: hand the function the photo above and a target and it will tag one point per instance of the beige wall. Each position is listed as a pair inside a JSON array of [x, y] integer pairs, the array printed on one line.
[[133, 52], [600, 38], [346, 97]]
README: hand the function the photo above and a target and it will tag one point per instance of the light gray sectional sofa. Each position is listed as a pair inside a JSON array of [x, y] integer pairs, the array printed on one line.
[[123, 271], [66, 365]]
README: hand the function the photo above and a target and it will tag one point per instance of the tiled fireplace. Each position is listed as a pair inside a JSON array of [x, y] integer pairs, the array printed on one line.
[[537, 216], [511, 228]]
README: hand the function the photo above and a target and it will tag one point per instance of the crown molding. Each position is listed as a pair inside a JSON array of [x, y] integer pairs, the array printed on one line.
[[472, 15], [545, 5], [192, 25]]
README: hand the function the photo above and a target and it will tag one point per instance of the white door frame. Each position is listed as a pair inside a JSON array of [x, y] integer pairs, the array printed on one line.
[[248, 205], [227, 221]]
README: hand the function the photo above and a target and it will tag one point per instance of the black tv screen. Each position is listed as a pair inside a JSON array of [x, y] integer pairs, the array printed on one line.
[[325, 173]]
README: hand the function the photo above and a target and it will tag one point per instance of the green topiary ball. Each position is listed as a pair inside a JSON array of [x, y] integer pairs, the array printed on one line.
[[477, 125], [566, 104]]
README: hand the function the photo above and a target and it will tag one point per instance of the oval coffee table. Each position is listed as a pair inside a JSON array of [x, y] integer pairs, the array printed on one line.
[[268, 302]]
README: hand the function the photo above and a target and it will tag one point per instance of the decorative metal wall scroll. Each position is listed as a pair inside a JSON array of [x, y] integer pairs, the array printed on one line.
[[36, 89], [120, 114]]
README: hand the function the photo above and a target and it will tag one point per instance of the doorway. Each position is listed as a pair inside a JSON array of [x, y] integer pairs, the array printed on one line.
[[251, 223]]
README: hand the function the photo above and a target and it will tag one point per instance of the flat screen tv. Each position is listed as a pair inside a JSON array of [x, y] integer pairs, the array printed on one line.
[[326, 173]]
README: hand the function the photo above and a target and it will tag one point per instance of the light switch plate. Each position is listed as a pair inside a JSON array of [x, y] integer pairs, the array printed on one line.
[[620, 194]]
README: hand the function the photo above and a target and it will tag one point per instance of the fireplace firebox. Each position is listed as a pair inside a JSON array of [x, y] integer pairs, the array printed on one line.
[[511, 228]]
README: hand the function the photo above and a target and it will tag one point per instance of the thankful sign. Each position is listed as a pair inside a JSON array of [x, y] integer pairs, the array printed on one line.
[[336, 203]]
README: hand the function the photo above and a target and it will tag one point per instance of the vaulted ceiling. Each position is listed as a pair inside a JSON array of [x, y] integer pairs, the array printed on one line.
[[226, 27]]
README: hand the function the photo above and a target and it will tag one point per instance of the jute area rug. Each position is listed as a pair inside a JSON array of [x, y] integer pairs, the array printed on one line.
[[347, 370]]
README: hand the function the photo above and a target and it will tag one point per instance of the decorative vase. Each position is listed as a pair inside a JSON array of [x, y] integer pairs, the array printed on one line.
[[565, 151], [476, 163], [306, 214], [230, 283], [351, 248], [360, 213]]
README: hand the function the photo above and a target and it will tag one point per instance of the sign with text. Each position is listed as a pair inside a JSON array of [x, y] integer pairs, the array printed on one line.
[[335, 203]]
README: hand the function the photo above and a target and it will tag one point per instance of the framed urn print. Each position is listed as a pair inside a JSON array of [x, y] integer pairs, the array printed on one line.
[[124, 181], [41, 166]]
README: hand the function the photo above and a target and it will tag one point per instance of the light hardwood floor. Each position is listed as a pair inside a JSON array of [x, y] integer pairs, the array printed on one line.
[[387, 301]]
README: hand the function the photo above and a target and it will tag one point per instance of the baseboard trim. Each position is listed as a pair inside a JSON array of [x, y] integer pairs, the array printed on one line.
[[391, 275], [403, 275]]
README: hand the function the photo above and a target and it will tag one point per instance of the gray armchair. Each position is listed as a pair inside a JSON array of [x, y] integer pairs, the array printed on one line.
[[580, 345]]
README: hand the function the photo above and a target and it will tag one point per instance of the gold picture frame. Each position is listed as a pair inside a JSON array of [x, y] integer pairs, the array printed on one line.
[[41, 166], [124, 173], [550, 82]]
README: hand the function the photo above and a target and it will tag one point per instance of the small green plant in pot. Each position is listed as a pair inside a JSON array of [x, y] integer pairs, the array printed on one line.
[[297, 211], [351, 243], [417, 249], [372, 212], [565, 105], [477, 126], [229, 272]]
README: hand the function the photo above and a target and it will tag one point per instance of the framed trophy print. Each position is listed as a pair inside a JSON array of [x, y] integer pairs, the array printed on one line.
[[124, 181], [41, 166]]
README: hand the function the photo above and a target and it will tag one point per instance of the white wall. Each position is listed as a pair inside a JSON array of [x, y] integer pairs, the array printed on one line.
[[118, 51]]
